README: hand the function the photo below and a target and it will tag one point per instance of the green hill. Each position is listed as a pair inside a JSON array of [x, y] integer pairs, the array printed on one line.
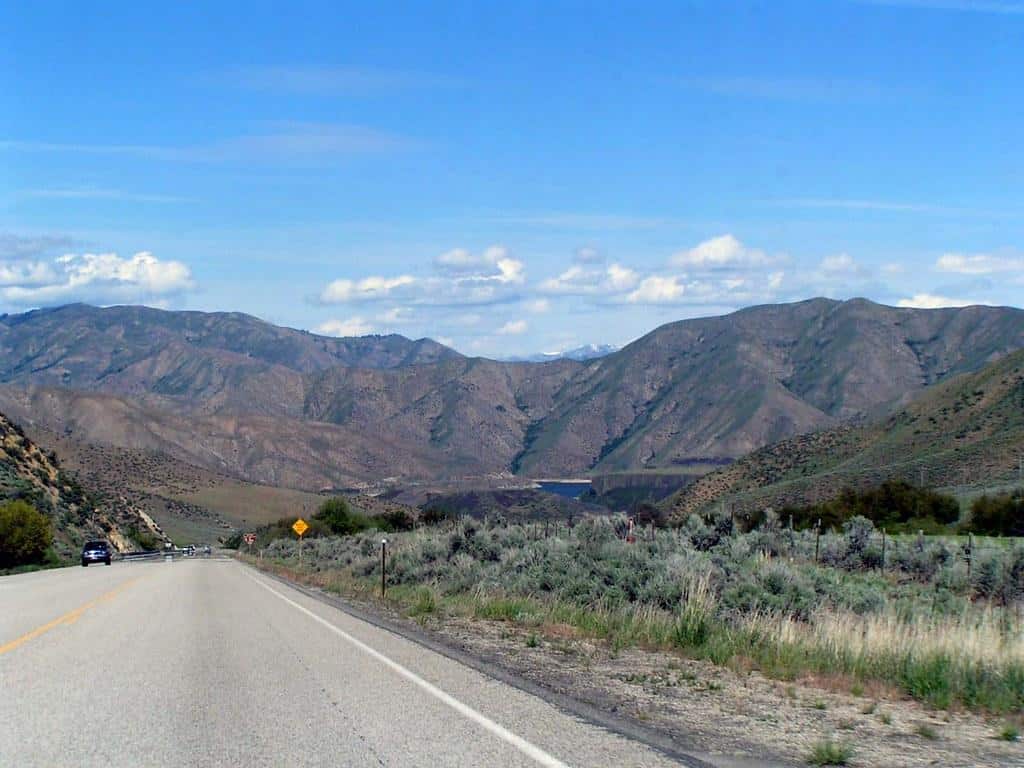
[[964, 435]]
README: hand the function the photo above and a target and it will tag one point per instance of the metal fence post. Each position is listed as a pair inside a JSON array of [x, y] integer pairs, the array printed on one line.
[[970, 557], [383, 568]]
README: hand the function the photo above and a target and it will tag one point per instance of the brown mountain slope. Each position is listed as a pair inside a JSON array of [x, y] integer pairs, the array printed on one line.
[[187, 384], [273, 450], [723, 386], [967, 431], [29, 473]]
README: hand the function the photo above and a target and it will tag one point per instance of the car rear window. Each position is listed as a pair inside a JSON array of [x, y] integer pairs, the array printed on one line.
[[96, 545]]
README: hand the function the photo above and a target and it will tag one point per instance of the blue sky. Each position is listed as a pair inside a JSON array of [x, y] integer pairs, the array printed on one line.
[[510, 178]]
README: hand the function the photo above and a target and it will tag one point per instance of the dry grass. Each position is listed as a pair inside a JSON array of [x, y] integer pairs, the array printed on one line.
[[987, 637]]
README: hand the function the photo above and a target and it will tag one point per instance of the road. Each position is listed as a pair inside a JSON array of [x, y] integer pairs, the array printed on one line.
[[207, 662]]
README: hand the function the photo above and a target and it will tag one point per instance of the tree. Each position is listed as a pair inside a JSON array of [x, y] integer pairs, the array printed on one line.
[[25, 534]]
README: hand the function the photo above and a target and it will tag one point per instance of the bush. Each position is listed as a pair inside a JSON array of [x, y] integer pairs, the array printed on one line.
[[434, 515], [145, 540], [395, 520], [1001, 515], [339, 519], [894, 504], [25, 535], [830, 752]]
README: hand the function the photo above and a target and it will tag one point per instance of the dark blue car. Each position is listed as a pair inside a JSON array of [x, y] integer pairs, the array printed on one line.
[[95, 552]]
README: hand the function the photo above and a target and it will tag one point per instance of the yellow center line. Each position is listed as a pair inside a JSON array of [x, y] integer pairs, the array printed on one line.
[[67, 619]]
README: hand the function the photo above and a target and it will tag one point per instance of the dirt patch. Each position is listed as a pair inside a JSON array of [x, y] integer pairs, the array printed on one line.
[[736, 713]]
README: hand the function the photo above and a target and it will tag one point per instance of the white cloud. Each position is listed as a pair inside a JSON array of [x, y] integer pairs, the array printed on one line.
[[354, 326], [538, 306], [493, 264], [461, 261], [579, 280], [932, 301], [978, 263], [842, 265], [367, 289], [509, 271], [621, 278], [512, 328], [721, 253], [103, 277], [487, 278], [657, 290]]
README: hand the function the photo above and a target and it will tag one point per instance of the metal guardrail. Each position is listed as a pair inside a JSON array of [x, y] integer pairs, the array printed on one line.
[[159, 554]]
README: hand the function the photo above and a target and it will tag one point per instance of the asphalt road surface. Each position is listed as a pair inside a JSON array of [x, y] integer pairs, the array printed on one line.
[[207, 662]]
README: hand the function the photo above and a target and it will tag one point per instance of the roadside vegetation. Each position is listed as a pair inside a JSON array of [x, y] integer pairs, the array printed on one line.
[[897, 505], [335, 517], [924, 615], [900, 507], [26, 537]]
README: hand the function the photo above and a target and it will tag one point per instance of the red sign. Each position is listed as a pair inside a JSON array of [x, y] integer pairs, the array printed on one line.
[[250, 538]]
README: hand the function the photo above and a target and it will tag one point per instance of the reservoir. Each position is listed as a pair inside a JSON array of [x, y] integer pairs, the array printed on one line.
[[571, 489]]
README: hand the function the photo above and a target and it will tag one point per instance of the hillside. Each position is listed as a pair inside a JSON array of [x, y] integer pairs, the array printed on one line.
[[721, 387], [968, 431], [29, 473], [237, 396]]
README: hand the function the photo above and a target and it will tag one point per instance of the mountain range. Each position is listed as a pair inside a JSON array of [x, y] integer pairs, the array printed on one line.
[[239, 396], [585, 352]]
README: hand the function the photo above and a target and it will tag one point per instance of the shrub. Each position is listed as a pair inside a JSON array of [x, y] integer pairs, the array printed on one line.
[[339, 519], [1001, 515], [893, 504], [434, 515], [144, 539], [25, 534], [829, 752], [395, 520]]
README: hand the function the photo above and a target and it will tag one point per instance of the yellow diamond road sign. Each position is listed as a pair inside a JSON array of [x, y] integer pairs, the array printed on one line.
[[300, 526]]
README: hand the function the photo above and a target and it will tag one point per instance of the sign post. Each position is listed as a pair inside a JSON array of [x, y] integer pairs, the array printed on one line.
[[383, 568], [300, 526]]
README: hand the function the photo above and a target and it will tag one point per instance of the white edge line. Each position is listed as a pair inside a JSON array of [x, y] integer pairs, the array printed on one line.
[[533, 752]]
